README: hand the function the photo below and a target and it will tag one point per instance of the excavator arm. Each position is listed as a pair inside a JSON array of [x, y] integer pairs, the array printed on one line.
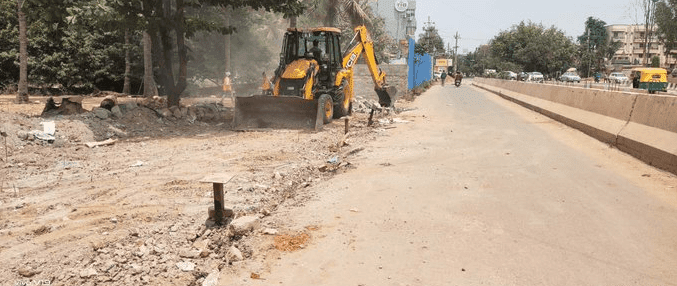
[[363, 44]]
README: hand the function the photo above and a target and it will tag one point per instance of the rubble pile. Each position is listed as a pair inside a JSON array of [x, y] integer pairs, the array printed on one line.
[[188, 250]]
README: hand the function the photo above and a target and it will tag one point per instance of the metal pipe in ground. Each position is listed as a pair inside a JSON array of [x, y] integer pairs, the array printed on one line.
[[218, 203]]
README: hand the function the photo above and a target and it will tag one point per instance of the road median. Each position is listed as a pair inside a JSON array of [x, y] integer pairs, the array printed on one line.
[[642, 125]]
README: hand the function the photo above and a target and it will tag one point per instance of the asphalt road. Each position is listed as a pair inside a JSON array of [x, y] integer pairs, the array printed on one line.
[[478, 191]]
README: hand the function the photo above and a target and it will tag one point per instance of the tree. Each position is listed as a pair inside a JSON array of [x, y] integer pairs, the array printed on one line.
[[531, 47], [90, 43], [595, 46], [149, 88], [175, 22], [666, 20], [22, 95], [9, 43], [88, 14], [430, 41], [655, 62], [71, 46]]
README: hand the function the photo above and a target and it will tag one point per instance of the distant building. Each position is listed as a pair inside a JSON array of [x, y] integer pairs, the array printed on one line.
[[631, 51], [400, 19]]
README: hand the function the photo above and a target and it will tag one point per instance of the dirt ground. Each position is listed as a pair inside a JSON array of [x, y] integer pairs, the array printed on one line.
[[135, 212]]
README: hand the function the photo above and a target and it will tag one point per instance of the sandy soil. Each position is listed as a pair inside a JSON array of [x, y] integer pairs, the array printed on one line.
[[135, 212]]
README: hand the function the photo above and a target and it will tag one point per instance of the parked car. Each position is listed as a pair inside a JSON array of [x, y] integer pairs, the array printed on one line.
[[570, 77], [509, 75], [536, 77], [618, 77], [522, 76], [512, 75]]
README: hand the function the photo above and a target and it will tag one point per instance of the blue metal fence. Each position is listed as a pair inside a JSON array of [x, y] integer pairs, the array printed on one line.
[[420, 67]]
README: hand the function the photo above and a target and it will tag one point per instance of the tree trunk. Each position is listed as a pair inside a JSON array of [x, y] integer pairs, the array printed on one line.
[[162, 49], [128, 65], [227, 40], [22, 95], [148, 81], [174, 96]]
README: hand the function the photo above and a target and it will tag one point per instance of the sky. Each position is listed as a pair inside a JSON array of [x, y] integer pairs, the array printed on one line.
[[479, 21]]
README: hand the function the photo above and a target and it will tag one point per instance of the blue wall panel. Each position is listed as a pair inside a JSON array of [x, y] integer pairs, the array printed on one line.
[[420, 67]]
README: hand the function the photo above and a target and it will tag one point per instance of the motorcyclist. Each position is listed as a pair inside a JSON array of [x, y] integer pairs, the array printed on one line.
[[458, 77]]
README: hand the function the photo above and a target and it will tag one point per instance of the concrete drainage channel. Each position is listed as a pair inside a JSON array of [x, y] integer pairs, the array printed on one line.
[[642, 125]]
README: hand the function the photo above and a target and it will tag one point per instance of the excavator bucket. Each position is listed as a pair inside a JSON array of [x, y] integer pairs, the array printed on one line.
[[276, 112], [386, 96]]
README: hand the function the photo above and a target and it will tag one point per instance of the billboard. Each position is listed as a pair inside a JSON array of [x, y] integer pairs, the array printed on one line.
[[443, 62]]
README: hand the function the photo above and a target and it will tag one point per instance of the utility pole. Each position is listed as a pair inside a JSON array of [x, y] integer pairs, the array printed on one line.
[[456, 52], [449, 51]]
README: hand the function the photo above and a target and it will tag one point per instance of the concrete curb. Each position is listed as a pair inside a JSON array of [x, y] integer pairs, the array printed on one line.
[[644, 126]]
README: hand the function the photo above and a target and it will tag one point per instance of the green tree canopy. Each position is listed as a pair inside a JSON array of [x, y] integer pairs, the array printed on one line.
[[533, 48], [595, 46], [666, 20], [430, 42]]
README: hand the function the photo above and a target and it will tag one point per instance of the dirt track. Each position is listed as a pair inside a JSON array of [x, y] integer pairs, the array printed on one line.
[[128, 213]]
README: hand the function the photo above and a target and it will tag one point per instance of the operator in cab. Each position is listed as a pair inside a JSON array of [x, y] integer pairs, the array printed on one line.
[[316, 51]]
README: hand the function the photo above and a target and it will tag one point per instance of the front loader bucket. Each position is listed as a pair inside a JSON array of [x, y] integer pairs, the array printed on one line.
[[386, 96], [276, 112]]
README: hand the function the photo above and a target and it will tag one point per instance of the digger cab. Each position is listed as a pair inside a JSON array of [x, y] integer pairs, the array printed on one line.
[[320, 47]]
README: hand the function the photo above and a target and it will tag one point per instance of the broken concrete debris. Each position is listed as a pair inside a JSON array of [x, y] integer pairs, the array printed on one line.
[[185, 266], [244, 225], [234, 254]]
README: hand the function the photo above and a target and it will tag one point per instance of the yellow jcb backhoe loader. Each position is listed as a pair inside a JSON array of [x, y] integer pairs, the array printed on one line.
[[313, 83]]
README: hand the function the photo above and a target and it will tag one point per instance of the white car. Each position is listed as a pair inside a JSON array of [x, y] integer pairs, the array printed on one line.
[[570, 77], [535, 76], [618, 77], [510, 75]]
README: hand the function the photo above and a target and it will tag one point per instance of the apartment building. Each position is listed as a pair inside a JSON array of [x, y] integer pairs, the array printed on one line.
[[631, 51]]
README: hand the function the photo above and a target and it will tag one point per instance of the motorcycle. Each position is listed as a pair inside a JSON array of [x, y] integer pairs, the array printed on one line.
[[457, 79]]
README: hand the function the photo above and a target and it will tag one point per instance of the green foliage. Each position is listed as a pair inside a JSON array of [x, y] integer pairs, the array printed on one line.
[[530, 47], [666, 20], [79, 43], [9, 43], [655, 62], [430, 42], [79, 49], [595, 46]]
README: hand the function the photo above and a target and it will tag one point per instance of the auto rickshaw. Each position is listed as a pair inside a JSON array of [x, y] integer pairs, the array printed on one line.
[[651, 79]]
